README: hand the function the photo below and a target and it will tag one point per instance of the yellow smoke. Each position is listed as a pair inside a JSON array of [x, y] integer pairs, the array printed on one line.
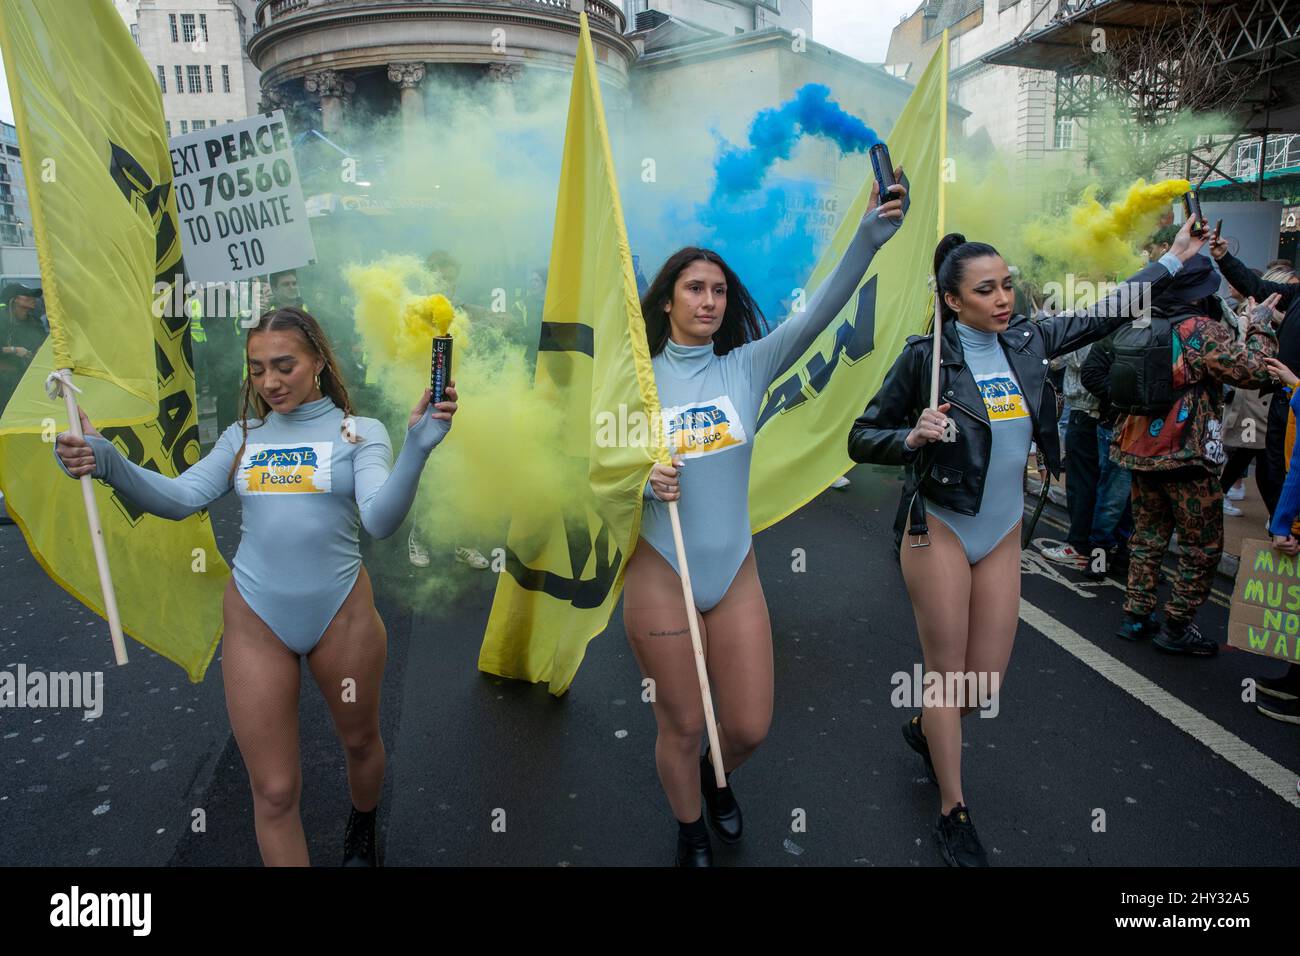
[[1101, 241], [502, 438], [398, 316]]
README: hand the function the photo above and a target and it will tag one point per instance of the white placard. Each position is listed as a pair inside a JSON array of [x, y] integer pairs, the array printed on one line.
[[240, 200]]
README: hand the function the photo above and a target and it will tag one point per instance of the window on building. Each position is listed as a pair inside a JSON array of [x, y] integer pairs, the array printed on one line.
[[171, 17], [162, 78], [207, 77], [135, 33], [168, 124], [185, 128], [198, 124], [180, 79], [203, 26], [187, 27], [1064, 138], [192, 74], [225, 78]]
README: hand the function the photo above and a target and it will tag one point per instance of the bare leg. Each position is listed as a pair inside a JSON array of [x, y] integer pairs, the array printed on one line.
[[938, 581], [261, 678], [994, 611], [739, 657], [654, 615], [348, 665]]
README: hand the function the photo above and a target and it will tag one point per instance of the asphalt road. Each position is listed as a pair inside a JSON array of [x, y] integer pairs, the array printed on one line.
[[1185, 772]]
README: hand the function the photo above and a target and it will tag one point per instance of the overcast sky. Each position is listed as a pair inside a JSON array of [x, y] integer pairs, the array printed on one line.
[[859, 28]]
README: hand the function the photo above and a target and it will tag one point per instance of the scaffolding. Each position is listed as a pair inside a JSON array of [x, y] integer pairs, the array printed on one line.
[[1131, 52]]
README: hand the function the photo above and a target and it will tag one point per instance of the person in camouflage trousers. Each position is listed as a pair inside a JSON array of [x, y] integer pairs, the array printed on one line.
[[1176, 458], [1191, 501]]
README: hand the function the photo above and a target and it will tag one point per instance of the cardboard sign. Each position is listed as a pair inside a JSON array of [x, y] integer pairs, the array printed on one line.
[[240, 200], [1265, 613]]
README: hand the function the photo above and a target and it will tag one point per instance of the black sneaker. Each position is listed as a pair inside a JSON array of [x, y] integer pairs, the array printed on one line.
[[1287, 711], [720, 806], [359, 840], [1283, 688], [1184, 637], [1136, 627], [958, 841], [916, 740], [693, 848]]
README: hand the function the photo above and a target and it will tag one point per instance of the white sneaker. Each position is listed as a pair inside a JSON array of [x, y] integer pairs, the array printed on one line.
[[471, 557], [1065, 554], [840, 482], [417, 552], [1237, 492], [1230, 509]]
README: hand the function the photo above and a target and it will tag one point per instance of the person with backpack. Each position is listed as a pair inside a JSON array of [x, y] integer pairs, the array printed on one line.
[[1166, 378]]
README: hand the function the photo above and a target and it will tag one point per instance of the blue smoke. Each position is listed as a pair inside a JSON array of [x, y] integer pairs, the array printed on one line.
[[743, 221]]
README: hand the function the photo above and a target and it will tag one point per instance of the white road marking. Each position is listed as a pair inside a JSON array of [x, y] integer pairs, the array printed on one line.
[[1033, 562], [1268, 772]]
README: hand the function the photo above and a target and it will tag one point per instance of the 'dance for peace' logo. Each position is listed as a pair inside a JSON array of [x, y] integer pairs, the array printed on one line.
[[273, 469], [703, 428]]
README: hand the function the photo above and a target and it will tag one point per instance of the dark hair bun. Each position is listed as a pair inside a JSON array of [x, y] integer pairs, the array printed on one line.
[[946, 245]]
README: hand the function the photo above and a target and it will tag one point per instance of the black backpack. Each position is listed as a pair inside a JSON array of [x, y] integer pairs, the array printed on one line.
[[1142, 374]]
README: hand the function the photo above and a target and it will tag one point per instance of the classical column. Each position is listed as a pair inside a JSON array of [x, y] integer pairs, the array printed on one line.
[[328, 85], [409, 75]]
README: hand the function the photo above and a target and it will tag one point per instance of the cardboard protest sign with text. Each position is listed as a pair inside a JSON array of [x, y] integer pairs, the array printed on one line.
[[240, 200], [1265, 614]]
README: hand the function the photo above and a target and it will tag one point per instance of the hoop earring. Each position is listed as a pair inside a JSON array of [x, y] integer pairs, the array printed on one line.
[[318, 380]]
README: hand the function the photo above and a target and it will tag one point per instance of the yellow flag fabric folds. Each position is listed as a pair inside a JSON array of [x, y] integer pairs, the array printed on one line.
[[802, 440], [565, 568], [99, 174]]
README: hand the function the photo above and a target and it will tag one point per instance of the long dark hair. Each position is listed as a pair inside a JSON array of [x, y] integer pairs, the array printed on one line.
[[950, 258], [331, 380], [742, 321]]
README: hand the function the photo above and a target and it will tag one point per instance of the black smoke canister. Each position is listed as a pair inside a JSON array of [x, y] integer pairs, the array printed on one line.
[[883, 167]]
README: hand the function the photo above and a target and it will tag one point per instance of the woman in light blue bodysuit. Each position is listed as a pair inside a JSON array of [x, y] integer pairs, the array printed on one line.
[[309, 474], [963, 497], [712, 367]]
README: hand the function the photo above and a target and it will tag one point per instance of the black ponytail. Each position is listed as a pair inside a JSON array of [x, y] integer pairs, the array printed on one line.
[[950, 258]]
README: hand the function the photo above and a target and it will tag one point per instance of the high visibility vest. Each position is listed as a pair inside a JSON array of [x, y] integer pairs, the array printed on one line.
[[196, 321]]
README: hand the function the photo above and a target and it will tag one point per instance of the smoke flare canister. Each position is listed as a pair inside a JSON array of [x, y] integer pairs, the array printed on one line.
[[883, 167], [440, 371]]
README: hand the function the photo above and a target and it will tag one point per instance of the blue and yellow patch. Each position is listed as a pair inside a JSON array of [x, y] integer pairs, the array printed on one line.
[[277, 469]]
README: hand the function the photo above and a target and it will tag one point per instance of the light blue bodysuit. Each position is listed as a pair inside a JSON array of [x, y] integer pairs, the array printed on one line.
[[303, 490], [710, 406], [1003, 503]]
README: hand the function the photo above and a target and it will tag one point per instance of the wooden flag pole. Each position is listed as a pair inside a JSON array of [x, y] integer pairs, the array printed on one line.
[[701, 671], [64, 378]]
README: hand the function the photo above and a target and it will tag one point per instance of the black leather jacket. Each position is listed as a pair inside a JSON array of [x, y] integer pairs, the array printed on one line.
[[952, 473]]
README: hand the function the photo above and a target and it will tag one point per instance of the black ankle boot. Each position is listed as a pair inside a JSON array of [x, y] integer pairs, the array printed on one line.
[[359, 840], [720, 807], [693, 847]]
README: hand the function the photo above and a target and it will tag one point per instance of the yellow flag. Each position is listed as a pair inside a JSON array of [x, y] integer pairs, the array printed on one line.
[[565, 568], [803, 427], [99, 175]]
